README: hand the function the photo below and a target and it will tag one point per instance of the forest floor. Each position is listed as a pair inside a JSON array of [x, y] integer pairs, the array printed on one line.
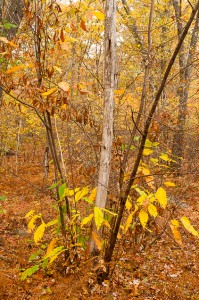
[[163, 271]]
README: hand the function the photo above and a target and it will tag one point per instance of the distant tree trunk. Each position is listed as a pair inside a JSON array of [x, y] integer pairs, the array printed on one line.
[[11, 12], [185, 68], [107, 136]]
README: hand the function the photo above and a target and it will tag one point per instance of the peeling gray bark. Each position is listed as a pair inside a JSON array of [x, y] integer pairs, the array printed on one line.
[[108, 119]]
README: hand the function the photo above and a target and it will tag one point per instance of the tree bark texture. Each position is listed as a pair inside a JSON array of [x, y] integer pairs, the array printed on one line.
[[124, 193], [185, 61], [108, 119]]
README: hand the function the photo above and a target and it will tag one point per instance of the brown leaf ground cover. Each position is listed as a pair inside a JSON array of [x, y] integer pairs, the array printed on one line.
[[163, 271]]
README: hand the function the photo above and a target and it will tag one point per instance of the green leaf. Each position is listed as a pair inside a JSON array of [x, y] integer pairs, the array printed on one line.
[[98, 216], [62, 191], [54, 252], [161, 197], [3, 198], [54, 185], [44, 263], [34, 255], [29, 272]]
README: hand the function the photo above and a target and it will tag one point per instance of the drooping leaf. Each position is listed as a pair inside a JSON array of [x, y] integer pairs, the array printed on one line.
[[98, 216], [49, 92], [39, 232], [29, 272], [152, 210], [31, 224], [161, 197], [187, 225], [97, 240], [86, 220], [51, 246], [64, 86], [143, 217]]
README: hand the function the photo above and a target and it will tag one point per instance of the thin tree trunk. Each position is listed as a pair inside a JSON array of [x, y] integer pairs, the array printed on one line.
[[185, 60], [124, 194], [107, 136]]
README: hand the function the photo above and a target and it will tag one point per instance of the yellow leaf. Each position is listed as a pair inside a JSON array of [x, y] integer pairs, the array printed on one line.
[[175, 223], [12, 44], [176, 234], [168, 183], [99, 217], [51, 246], [86, 220], [128, 204], [59, 70], [15, 69], [39, 232], [147, 151], [49, 92], [152, 210], [93, 194], [187, 225], [53, 222], [128, 222], [31, 224], [141, 199], [30, 213], [161, 197], [80, 194], [143, 216], [64, 86], [99, 15], [97, 240], [106, 223], [145, 171]]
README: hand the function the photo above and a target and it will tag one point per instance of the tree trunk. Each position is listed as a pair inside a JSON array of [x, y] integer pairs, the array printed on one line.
[[107, 136], [185, 61]]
